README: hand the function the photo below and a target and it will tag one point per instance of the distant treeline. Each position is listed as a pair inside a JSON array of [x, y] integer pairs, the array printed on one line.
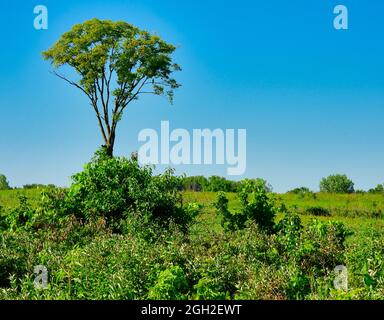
[[216, 183], [332, 184], [38, 186]]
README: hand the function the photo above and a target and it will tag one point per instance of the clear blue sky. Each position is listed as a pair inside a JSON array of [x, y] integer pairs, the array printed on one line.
[[310, 97]]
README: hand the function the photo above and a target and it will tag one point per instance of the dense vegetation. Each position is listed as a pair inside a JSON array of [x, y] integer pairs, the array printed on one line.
[[120, 232]]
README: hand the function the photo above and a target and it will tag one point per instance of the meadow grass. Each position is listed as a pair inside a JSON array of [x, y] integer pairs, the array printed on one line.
[[10, 198], [210, 255], [360, 222], [351, 209]]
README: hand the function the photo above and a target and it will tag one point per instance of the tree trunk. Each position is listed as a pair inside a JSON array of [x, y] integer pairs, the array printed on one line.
[[109, 149], [110, 143]]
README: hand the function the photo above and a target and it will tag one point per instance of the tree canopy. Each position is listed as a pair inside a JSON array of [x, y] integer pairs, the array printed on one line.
[[338, 183], [116, 62]]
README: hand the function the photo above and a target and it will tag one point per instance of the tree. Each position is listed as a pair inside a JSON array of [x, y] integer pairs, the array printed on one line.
[[4, 185], [116, 63], [195, 183], [379, 189], [338, 183], [216, 183]]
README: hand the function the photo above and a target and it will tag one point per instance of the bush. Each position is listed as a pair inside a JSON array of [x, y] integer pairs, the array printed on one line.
[[21, 217], [254, 184], [336, 184], [16, 256], [256, 206], [322, 247], [289, 231], [171, 284], [301, 190], [317, 211], [115, 188], [365, 262]]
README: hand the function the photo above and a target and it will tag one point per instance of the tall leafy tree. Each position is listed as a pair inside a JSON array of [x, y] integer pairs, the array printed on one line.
[[116, 63]]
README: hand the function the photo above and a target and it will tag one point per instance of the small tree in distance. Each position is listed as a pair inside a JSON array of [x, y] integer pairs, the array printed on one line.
[[338, 183], [116, 62], [4, 185], [378, 189]]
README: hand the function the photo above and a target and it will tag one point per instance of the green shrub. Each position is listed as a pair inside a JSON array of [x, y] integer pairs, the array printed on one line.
[[289, 231], [365, 261], [338, 183], [301, 190], [256, 206], [322, 247], [115, 188], [210, 289], [171, 284], [317, 211], [255, 184], [23, 216]]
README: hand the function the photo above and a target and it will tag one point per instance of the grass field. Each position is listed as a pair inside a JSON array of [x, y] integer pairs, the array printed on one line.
[[10, 198], [360, 212], [357, 211]]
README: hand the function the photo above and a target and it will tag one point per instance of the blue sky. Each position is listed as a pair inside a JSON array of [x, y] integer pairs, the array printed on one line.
[[311, 97]]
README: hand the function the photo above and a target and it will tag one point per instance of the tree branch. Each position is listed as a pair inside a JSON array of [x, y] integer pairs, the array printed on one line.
[[72, 83]]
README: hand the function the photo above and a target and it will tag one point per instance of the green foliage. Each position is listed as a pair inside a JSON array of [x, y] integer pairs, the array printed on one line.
[[230, 221], [379, 189], [38, 186], [4, 185], [194, 183], [171, 284], [216, 184], [289, 231], [17, 252], [20, 217], [114, 60], [209, 289], [301, 190], [257, 183], [256, 206], [291, 258], [132, 53], [322, 247], [336, 184], [114, 188], [317, 211]]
